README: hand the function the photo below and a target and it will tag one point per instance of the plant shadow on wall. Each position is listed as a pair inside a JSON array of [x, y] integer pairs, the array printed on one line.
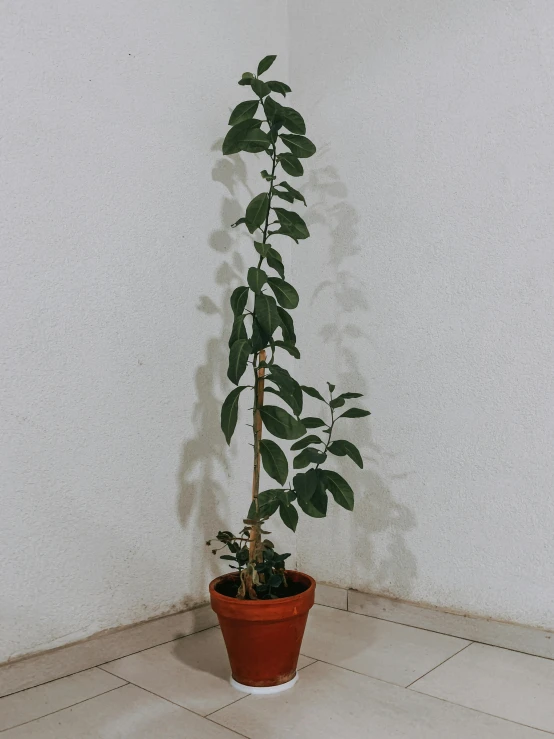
[[205, 461], [381, 557]]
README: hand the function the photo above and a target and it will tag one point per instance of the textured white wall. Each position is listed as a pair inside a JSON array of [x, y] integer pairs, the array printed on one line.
[[432, 212], [112, 209]]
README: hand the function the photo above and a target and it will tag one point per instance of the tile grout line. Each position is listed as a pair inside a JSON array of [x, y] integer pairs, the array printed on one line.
[[371, 677], [247, 695], [190, 710], [232, 703], [65, 708], [146, 649], [485, 713], [444, 700], [439, 665], [452, 636], [99, 664]]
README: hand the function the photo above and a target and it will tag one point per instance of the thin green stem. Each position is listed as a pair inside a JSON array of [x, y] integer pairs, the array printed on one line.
[[330, 427]]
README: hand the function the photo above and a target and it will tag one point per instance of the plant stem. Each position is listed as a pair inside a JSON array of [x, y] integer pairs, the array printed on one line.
[[328, 444], [259, 374], [255, 530]]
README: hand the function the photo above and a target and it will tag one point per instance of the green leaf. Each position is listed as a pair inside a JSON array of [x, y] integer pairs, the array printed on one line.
[[342, 448], [290, 348], [291, 224], [269, 177], [237, 223], [291, 164], [287, 398], [283, 379], [272, 110], [238, 331], [339, 489], [280, 423], [304, 484], [275, 580], [256, 211], [280, 87], [246, 132], [287, 326], [238, 359], [312, 392], [267, 504], [274, 460], [295, 193], [337, 402], [238, 299], [331, 387], [284, 195], [300, 146], [293, 121], [244, 112], [275, 262], [246, 78], [286, 295], [265, 311], [262, 249], [311, 494], [348, 396], [229, 413], [266, 63], [306, 441], [260, 88], [355, 413], [255, 141], [312, 423], [289, 515], [290, 389], [259, 339], [310, 509], [307, 456], [319, 498], [256, 279]]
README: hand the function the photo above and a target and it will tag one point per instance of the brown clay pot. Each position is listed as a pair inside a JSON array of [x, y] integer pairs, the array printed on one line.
[[263, 637]]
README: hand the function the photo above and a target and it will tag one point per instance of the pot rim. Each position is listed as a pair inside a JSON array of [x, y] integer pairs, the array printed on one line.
[[263, 603]]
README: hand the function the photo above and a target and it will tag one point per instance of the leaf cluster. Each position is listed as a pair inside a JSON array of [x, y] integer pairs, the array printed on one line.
[[263, 322]]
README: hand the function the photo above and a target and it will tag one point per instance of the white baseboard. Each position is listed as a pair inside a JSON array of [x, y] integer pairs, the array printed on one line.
[[330, 595], [53, 664], [526, 639]]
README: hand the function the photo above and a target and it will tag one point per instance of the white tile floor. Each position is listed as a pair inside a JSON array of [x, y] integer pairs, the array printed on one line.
[[360, 677]]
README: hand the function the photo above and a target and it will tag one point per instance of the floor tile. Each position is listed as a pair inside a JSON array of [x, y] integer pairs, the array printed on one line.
[[516, 686], [192, 672], [33, 671], [327, 595], [329, 702], [392, 652], [36, 702], [304, 662], [125, 713]]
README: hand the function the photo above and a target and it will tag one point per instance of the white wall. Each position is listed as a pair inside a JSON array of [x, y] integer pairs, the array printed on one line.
[[433, 218], [428, 284], [114, 209]]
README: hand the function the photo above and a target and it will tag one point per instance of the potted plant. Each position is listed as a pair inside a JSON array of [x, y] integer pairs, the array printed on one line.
[[262, 607]]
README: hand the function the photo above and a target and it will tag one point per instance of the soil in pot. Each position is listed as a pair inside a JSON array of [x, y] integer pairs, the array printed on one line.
[[230, 587]]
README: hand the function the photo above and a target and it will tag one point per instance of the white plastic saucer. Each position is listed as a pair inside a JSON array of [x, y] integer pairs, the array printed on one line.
[[264, 691]]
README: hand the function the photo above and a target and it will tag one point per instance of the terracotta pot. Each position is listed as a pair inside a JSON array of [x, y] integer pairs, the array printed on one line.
[[263, 637]]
